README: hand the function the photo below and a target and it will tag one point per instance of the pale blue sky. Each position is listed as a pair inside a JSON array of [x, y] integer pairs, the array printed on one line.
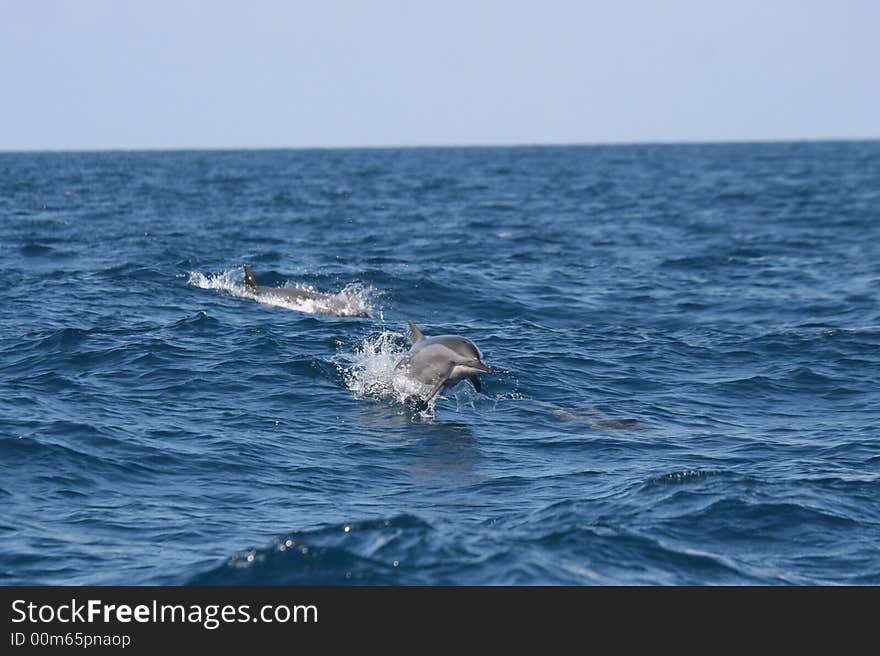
[[92, 74]]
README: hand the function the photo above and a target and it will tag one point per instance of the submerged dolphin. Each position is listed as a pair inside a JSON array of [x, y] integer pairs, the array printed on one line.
[[596, 419], [333, 304], [442, 361]]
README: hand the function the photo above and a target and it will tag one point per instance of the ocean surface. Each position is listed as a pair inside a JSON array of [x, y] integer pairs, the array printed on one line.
[[685, 342]]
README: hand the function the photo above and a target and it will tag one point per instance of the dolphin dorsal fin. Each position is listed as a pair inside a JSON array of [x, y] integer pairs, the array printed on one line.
[[416, 334], [250, 280]]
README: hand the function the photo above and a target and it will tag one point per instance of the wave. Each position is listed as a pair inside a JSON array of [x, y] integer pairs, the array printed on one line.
[[369, 552], [355, 299], [406, 550], [686, 476]]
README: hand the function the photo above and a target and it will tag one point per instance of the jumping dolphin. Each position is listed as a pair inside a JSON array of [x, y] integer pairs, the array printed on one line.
[[333, 304], [442, 361]]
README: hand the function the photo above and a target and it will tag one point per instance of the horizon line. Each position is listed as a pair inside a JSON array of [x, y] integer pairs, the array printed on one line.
[[461, 146]]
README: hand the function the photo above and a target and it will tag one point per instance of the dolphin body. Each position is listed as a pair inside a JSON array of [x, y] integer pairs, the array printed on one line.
[[596, 419], [333, 304], [442, 361]]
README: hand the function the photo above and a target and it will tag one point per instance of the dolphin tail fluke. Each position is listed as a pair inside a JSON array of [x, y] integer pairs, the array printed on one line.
[[475, 382], [416, 334], [250, 280]]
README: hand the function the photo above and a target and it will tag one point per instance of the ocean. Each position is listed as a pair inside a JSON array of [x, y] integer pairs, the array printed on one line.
[[685, 344]]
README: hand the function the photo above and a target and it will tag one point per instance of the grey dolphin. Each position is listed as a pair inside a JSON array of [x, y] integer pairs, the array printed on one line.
[[333, 304], [596, 419], [442, 361]]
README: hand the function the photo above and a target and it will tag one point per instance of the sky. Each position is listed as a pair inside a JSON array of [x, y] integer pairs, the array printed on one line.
[[111, 74]]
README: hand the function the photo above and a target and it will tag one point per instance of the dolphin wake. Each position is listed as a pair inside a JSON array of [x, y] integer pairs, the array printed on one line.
[[355, 299]]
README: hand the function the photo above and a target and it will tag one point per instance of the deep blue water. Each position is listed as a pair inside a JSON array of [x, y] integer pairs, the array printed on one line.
[[686, 345]]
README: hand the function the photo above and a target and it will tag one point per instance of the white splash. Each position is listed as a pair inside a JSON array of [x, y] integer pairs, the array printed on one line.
[[370, 370], [225, 281], [354, 299]]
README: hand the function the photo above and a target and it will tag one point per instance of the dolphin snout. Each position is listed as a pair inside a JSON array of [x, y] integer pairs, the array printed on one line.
[[479, 366]]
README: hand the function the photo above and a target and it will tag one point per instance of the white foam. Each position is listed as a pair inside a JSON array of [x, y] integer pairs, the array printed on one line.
[[353, 300], [225, 281], [370, 370]]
